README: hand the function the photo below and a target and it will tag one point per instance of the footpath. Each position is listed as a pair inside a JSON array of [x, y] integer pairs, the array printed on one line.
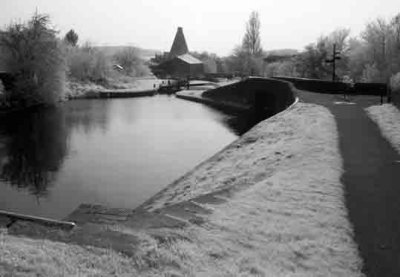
[[371, 179]]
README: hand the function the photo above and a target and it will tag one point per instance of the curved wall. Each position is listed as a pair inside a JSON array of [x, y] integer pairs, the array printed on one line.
[[263, 96]]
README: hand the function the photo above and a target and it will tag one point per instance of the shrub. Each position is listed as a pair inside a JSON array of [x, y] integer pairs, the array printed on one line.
[[88, 64], [395, 87], [131, 62], [35, 55]]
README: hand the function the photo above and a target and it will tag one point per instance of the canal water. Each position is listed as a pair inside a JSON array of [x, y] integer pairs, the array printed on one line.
[[116, 152]]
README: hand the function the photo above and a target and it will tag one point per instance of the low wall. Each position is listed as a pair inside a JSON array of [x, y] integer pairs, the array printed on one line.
[[227, 107], [321, 86], [125, 93], [264, 96], [122, 93]]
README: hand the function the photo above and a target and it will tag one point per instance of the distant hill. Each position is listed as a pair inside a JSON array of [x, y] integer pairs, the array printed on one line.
[[281, 52], [145, 54]]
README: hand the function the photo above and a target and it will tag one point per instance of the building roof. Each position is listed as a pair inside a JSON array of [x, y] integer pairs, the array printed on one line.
[[179, 46], [187, 58]]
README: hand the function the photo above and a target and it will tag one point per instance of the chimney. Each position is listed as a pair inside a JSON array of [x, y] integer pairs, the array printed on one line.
[[179, 46]]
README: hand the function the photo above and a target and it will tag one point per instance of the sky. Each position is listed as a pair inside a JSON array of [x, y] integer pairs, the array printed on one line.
[[215, 26]]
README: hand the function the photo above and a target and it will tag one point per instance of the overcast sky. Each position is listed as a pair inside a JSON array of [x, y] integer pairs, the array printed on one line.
[[209, 25]]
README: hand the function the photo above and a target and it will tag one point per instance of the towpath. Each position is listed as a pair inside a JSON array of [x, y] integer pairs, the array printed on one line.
[[372, 182]]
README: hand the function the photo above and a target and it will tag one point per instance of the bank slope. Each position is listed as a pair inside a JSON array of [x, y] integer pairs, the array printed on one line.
[[387, 117], [281, 213], [284, 213]]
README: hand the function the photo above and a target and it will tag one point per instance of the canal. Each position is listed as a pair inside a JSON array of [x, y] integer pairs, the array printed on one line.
[[116, 152]]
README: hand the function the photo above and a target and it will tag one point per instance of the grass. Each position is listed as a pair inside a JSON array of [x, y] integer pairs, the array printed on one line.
[[387, 117], [284, 215], [28, 257], [289, 217]]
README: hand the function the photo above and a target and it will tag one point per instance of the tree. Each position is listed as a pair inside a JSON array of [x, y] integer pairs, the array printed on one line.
[[247, 57], [357, 58], [395, 25], [251, 41], [376, 36], [371, 74], [71, 37], [311, 63], [35, 55], [340, 38]]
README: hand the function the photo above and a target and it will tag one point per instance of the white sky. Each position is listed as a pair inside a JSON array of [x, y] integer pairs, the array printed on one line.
[[209, 25]]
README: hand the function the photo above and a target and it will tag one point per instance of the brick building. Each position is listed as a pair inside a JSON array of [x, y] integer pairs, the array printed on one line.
[[179, 63]]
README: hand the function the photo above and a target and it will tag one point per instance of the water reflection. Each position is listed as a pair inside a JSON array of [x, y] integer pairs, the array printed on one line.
[[36, 142], [111, 152], [87, 115], [36, 145]]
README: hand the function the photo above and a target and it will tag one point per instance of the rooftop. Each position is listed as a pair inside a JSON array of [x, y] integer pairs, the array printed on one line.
[[189, 59]]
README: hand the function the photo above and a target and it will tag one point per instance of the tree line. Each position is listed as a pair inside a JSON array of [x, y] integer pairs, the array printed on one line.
[[372, 56], [43, 62]]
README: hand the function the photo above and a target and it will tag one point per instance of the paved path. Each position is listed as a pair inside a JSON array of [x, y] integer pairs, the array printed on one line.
[[372, 183]]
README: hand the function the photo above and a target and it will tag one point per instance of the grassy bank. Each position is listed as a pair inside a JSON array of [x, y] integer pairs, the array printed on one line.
[[387, 117], [281, 213], [89, 90]]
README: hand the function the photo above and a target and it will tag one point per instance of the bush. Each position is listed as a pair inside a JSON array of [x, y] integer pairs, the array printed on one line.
[[88, 64], [395, 87], [35, 55], [395, 83], [131, 62]]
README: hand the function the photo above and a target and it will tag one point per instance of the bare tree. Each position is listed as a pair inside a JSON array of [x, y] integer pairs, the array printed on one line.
[[252, 42], [340, 38], [395, 24]]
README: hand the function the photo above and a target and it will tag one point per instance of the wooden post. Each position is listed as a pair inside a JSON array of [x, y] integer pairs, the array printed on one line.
[[42, 220]]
